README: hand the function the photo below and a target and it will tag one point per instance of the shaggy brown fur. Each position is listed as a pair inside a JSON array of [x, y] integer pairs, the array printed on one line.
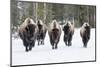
[[27, 33], [68, 33], [54, 32], [41, 32], [85, 33]]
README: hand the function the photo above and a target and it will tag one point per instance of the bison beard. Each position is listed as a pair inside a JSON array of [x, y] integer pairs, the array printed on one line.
[[28, 37]]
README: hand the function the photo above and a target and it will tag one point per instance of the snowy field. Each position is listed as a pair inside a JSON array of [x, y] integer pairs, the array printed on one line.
[[44, 54]]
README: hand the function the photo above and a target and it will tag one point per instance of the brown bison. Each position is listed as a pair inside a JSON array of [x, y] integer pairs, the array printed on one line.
[[85, 33], [27, 33], [54, 32], [68, 33], [41, 32]]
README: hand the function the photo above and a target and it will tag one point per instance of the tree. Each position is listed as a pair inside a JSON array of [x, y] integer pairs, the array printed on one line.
[[47, 12], [14, 15]]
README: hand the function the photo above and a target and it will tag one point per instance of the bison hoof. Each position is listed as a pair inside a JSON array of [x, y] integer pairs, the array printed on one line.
[[30, 49], [33, 45], [69, 44], [66, 44], [56, 47], [38, 44], [53, 48], [43, 43], [85, 46], [26, 50]]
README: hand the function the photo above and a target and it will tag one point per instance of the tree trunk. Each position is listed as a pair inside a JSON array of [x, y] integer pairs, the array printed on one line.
[[36, 8], [44, 12]]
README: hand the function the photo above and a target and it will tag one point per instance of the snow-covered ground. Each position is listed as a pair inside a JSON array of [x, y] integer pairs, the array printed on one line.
[[44, 54]]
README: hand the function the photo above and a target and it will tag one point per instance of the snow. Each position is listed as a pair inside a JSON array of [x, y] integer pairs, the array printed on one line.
[[44, 54]]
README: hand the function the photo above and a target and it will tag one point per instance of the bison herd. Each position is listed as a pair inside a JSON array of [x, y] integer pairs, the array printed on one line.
[[30, 31]]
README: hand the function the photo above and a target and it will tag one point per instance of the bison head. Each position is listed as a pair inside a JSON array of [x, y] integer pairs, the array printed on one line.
[[30, 30], [66, 29], [86, 26]]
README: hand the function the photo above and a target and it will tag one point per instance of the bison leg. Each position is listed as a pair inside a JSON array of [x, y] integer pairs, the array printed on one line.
[[69, 40], [85, 42], [31, 45], [44, 37], [57, 43], [65, 40], [26, 49], [42, 42], [53, 46], [51, 41], [38, 41], [56, 46], [26, 45]]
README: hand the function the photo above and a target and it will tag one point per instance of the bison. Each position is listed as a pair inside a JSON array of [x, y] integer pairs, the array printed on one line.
[[27, 33], [68, 33], [85, 33], [41, 32], [54, 32]]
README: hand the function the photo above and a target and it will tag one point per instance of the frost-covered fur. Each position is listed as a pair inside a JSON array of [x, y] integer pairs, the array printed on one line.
[[54, 32], [27, 32], [68, 33], [85, 33], [41, 32]]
